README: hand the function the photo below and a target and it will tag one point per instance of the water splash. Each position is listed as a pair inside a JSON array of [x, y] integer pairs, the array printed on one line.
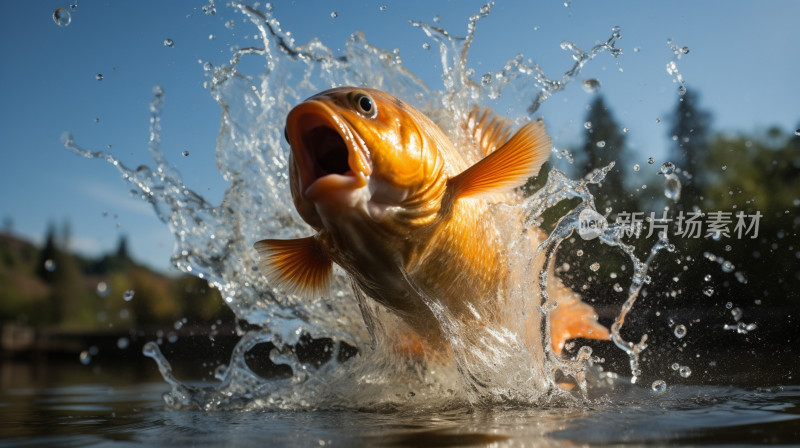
[[672, 66], [213, 241]]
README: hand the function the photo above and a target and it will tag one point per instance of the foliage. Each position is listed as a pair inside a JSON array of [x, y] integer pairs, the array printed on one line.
[[51, 287], [755, 174]]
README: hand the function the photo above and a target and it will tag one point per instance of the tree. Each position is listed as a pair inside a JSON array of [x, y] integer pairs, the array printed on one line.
[[605, 143], [689, 131], [122, 247], [49, 255]]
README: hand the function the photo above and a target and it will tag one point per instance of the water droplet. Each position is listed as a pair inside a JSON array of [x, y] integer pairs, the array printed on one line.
[[102, 289], [797, 132], [651, 160], [62, 17], [681, 90], [724, 167], [73, 6], [635, 167], [685, 50], [680, 331], [591, 85], [169, 43], [98, 76], [667, 168], [595, 266], [210, 9], [729, 305], [85, 357], [128, 295], [185, 153], [123, 343], [486, 79], [334, 14], [579, 253], [658, 120], [625, 130], [150, 349], [685, 371], [707, 277], [587, 125], [672, 189], [659, 386], [49, 265], [601, 144], [618, 287], [172, 337], [537, 28], [383, 8], [675, 366], [426, 46], [737, 314], [727, 266], [709, 291]]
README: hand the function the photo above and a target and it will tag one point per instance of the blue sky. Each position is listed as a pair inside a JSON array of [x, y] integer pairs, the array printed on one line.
[[742, 60]]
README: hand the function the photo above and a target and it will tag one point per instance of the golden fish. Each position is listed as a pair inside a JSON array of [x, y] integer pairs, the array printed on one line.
[[403, 212]]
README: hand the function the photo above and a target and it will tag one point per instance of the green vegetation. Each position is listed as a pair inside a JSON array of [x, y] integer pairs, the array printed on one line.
[[51, 287], [755, 174]]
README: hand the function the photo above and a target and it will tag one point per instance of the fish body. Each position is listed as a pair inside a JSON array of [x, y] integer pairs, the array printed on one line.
[[407, 215]]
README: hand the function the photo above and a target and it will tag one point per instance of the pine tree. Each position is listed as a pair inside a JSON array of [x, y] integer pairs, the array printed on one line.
[[49, 256], [690, 133], [605, 143], [122, 248]]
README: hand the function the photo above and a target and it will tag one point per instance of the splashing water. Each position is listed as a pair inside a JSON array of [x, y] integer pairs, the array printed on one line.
[[214, 241]]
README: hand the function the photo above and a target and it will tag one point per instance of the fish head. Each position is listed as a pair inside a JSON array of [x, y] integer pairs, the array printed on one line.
[[365, 150]]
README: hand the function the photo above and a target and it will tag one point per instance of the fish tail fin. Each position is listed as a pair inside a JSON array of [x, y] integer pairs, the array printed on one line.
[[298, 266], [509, 166], [571, 319]]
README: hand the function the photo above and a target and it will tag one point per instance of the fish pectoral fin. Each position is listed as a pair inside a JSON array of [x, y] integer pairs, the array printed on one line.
[[508, 167], [488, 129], [574, 319], [299, 266]]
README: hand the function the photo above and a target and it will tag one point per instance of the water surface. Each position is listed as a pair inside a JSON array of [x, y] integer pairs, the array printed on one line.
[[67, 404]]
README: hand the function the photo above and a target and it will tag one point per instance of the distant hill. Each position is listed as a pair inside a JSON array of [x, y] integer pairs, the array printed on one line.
[[50, 287]]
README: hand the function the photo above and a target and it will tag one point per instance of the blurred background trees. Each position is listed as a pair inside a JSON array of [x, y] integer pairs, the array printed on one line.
[[51, 287], [751, 173]]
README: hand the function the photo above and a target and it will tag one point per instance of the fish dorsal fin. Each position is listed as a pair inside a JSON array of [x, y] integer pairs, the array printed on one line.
[[488, 129], [299, 266], [508, 167]]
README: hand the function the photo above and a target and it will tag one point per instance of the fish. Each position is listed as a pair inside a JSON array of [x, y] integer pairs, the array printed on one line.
[[405, 213]]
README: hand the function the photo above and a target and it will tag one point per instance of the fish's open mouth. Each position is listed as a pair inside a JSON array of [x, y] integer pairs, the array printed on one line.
[[328, 151]]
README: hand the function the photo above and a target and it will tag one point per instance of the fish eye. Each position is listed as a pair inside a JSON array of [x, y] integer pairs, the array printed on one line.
[[364, 104]]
